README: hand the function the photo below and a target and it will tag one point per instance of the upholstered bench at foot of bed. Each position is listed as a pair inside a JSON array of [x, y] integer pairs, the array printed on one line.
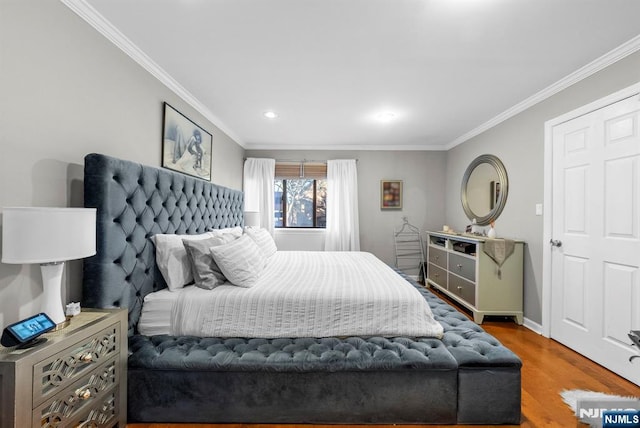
[[352, 380], [281, 397], [489, 378]]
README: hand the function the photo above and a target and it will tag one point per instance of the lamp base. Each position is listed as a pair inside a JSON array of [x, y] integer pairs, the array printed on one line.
[[63, 324], [52, 292]]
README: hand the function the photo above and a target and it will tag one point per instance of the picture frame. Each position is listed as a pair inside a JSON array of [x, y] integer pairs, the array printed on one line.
[[494, 193], [186, 147], [391, 194]]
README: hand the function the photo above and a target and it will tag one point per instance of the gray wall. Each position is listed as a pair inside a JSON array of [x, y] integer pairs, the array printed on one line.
[[422, 173], [519, 143], [66, 91]]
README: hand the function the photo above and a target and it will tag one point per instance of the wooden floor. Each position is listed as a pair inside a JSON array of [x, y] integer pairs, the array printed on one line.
[[548, 368]]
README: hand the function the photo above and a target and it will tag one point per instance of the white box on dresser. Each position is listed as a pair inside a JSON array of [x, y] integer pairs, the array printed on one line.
[[459, 267], [77, 378]]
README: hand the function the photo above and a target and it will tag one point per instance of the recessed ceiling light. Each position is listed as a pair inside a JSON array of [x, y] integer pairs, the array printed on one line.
[[270, 114], [386, 116]]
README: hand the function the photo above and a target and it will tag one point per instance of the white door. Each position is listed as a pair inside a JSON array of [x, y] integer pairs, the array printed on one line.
[[595, 254]]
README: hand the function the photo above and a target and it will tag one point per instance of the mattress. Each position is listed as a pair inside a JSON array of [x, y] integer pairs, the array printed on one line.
[[156, 311], [303, 294]]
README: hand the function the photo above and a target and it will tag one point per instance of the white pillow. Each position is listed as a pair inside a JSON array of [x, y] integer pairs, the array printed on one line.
[[241, 261], [235, 231], [264, 240], [172, 258]]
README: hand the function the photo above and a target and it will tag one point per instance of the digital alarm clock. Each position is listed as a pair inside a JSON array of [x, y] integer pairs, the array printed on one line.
[[25, 333]]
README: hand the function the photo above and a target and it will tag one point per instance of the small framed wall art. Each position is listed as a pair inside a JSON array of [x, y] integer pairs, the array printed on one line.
[[391, 194], [494, 193], [186, 147]]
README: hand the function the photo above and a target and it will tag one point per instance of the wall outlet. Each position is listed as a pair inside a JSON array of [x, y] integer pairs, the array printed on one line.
[[538, 209]]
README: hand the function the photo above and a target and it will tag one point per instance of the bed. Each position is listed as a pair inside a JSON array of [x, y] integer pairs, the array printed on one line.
[[463, 375]]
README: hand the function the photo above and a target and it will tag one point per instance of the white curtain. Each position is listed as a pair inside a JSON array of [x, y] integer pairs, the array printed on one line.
[[343, 230], [258, 189]]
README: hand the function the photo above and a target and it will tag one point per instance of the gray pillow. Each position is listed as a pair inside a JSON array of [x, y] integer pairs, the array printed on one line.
[[206, 272], [172, 258]]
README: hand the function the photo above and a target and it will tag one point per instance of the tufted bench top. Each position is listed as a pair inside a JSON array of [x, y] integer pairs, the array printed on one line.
[[465, 344], [469, 344], [300, 355]]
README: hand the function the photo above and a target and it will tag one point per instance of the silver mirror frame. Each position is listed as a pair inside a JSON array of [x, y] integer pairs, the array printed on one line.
[[504, 189]]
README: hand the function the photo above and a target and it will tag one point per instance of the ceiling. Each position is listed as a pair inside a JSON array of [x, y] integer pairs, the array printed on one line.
[[446, 69]]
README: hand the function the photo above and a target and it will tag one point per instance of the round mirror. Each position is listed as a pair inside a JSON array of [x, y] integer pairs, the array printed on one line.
[[484, 189]]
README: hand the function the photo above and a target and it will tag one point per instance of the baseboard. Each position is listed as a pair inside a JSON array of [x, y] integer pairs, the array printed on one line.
[[533, 326]]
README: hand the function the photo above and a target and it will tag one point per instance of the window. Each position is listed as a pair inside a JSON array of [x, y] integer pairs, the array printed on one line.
[[300, 194]]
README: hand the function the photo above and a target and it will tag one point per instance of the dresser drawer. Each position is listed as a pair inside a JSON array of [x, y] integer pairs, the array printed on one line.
[[437, 275], [462, 288], [463, 266], [438, 257], [103, 414], [61, 370], [80, 398]]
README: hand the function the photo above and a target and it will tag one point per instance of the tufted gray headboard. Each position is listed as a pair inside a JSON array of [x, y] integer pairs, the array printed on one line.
[[134, 202]]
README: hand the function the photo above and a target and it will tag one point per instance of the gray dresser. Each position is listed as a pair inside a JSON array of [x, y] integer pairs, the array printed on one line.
[[459, 267], [77, 378]]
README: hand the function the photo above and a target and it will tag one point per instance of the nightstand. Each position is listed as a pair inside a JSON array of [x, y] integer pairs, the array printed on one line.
[[77, 378]]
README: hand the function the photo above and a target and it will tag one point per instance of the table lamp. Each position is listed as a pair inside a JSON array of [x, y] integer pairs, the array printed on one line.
[[48, 236], [251, 219]]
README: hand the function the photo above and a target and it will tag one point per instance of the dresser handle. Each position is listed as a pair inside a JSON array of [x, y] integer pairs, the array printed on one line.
[[459, 288], [459, 266], [86, 357], [83, 394]]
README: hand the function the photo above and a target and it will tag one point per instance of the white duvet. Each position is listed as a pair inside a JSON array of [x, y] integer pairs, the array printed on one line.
[[309, 294]]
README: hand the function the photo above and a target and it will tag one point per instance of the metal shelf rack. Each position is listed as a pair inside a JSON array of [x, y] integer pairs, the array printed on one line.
[[409, 248]]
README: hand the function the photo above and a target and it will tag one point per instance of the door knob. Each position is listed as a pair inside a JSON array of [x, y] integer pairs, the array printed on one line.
[[556, 243]]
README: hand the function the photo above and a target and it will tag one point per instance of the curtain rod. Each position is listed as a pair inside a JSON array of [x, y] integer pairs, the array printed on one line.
[[302, 160]]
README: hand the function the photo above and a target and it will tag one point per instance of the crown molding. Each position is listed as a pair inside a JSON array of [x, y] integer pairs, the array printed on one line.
[[104, 27], [590, 69]]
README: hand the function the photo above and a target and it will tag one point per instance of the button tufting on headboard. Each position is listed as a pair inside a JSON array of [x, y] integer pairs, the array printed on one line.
[[135, 202]]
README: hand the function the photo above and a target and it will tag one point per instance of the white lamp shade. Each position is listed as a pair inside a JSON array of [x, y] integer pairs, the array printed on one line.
[[251, 219], [47, 235]]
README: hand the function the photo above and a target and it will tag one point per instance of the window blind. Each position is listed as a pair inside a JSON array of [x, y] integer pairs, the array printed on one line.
[[290, 170]]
